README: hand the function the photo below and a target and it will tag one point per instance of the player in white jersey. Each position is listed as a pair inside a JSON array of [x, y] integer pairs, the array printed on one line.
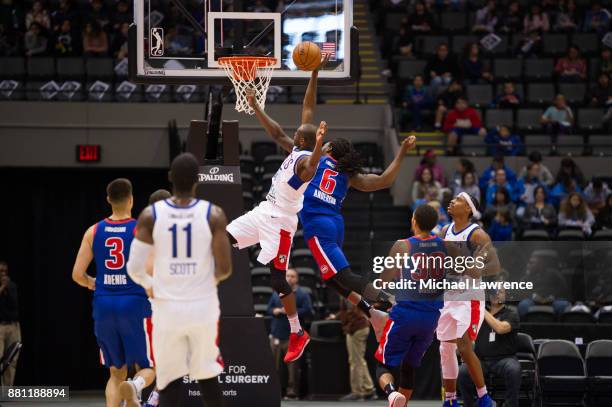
[[463, 311], [274, 222], [191, 255]]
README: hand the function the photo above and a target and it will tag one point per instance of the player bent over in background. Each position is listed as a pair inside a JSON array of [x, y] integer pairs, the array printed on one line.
[[121, 310], [463, 312], [412, 321], [191, 256], [274, 222]]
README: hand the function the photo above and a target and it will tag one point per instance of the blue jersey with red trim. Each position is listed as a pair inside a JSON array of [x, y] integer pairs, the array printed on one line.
[[111, 246], [326, 190], [426, 264]]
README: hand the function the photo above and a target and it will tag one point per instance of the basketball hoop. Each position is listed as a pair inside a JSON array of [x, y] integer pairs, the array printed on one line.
[[249, 73]]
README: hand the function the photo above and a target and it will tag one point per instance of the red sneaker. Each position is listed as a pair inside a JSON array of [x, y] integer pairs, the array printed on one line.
[[297, 344]]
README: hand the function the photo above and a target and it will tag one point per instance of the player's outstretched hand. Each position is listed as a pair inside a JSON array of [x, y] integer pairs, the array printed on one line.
[[321, 132], [324, 58], [409, 143], [250, 94]]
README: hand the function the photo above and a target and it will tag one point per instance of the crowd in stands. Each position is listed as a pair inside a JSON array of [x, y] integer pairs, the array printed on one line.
[[534, 199], [460, 54]]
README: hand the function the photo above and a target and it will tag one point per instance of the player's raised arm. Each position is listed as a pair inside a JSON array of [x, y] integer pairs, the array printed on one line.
[[272, 128], [373, 182], [310, 98], [142, 246], [307, 167], [83, 259], [484, 248], [220, 244]]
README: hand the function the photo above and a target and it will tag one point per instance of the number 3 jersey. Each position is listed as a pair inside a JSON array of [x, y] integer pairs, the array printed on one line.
[[183, 267], [111, 245], [326, 191]]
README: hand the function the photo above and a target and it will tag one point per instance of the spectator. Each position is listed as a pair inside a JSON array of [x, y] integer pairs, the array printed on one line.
[[404, 43], [12, 16], [35, 41], [567, 17], [575, 214], [259, 7], [65, 43], [119, 46], [486, 18], [426, 189], [604, 217], [420, 21], [562, 189], [475, 70], [535, 24], [463, 166], [446, 100], [95, 41], [463, 119], [441, 68], [600, 94], [549, 286], [595, 195], [502, 199], [509, 98], [540, 214], [417, 98], [122, 15], [9, 42], [279, 330], [10, 331], [38, 14], [496, 347], [488, 176], [512, 22], [558, 119], [605, 61], [430, 161], [501, 183], [528, 183], [442, 217], [545, 176], [468, 184], [357, 329], [65, 11], [501, 226], [570, 169], [502, 141], [597, 19], [571, 68], [97, 13]]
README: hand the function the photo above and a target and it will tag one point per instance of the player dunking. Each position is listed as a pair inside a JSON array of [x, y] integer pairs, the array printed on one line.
[[412, 322], [121, 310], [463, 313], [191, 255], [273, 223]]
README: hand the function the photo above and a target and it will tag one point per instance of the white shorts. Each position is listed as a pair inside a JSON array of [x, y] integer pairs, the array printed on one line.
[[271, 228], [457, 317], [185, 340]]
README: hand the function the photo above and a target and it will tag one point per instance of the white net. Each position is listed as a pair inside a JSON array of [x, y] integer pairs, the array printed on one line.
[[249, 73]]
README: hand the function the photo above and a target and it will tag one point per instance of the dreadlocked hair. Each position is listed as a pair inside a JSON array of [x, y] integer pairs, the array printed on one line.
[[348, 159]]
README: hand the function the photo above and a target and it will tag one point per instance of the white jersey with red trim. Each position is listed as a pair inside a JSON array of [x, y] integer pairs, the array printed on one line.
[[468, 294], [287, 189], [184, 266]]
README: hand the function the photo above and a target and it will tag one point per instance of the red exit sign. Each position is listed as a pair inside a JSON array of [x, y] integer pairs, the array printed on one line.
[[88, 153]]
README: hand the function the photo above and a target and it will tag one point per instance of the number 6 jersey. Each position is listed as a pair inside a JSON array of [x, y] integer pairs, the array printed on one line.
[[183, 267], [326, 191]]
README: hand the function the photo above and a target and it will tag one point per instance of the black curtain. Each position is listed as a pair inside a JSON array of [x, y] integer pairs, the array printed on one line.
[[45, 212]]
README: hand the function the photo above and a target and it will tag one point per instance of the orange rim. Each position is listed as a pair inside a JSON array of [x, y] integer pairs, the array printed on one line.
[[245, 67]]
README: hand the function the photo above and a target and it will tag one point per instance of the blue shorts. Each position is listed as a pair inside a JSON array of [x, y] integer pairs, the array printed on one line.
[[123, 328], [325, 235], [406, 336]]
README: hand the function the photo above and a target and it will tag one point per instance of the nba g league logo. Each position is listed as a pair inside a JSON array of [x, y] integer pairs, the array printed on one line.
[[157, 42]]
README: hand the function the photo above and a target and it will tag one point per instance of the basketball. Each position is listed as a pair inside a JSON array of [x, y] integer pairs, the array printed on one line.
[[307, 56]]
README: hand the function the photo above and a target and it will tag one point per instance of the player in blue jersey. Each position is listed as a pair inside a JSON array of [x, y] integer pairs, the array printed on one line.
[[121, 309], [412, 322]]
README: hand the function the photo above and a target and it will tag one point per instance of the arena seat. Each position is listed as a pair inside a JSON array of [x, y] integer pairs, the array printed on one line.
[[328, 373], [409, 68], [499, 117], [502, 48], [479, 95], [471, 144], [588, 43], [260, 309], [266, 183], [540, 313], [570, 235], [261, 294], [12, 89], [247, 182], [247, 165], [539, 69], [574, 92], [428, 45], [528, 119], [561, 373], [540, 94], [507, 69], [271, 163], [248, 200], [41, 67], [12, 68], [535, 235], [554, 44], [599, 372], [70, 68], [262, 149], [605, 315], [601, 144], [453, 21], [307, 277], [603, 234], [460, 41], [260, 276], [298, 240], [303, 258], [590, 119], [570, 144], [577, 316]]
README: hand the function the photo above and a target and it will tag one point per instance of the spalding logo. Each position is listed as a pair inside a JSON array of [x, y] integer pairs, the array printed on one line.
[[214, 170]]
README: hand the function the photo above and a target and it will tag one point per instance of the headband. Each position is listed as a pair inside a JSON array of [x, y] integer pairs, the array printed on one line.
[[475, 212]]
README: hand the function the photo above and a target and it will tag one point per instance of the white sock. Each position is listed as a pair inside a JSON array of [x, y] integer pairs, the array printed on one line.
[[294, 323], [139, 383], [482, 391], [153, 398], [450, 395]]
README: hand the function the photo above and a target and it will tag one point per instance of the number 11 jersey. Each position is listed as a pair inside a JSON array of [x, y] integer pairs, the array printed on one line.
[[183, 266]]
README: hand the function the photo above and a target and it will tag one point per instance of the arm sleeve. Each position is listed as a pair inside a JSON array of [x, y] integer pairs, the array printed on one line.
[[136, 266]]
